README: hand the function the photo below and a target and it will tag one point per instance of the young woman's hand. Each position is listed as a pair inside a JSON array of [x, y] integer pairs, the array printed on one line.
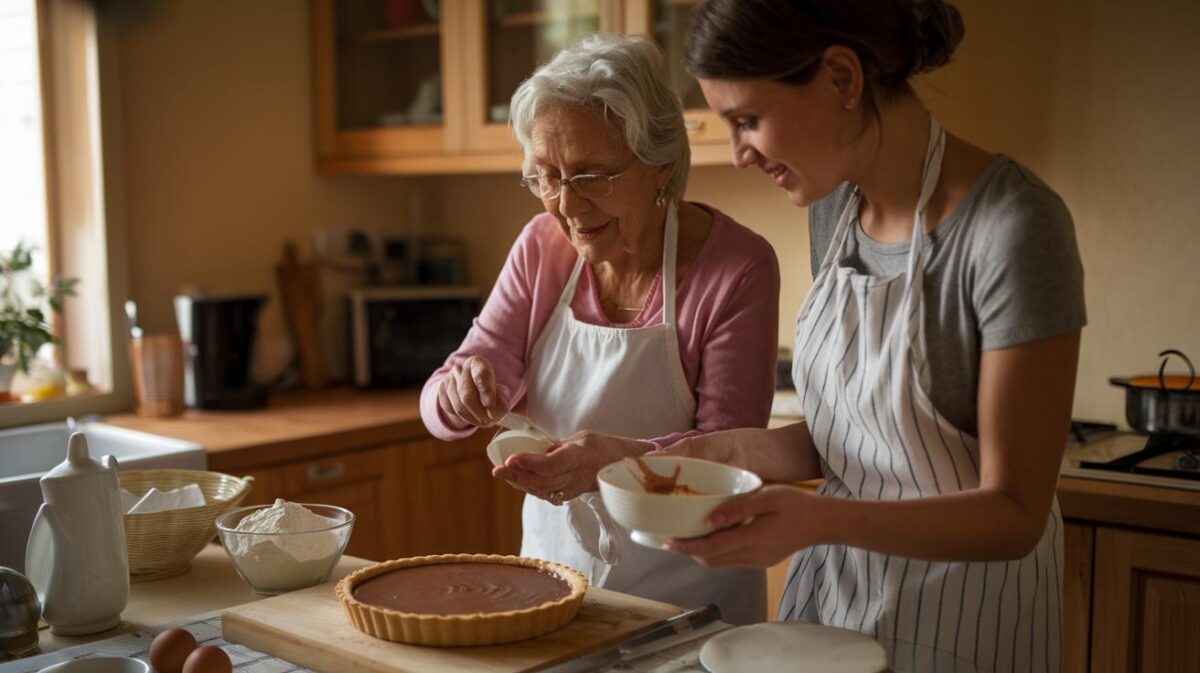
[[568, 470], [467, 395], [757, 530]]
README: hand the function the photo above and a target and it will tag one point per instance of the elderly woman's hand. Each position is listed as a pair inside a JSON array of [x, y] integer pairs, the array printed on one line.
[[775, 522], [568, 470], [729, 446], [467, 394]]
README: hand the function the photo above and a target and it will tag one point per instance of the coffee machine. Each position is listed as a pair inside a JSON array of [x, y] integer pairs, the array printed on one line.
[[218, 342]]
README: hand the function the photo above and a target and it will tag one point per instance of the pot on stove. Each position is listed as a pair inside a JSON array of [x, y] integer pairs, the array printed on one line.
[[1163, 404]]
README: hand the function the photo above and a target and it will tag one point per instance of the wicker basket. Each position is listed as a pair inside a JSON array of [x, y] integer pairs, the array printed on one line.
[[163, 544]]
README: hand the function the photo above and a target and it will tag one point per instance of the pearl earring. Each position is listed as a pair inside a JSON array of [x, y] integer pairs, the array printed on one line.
[[851, 103]]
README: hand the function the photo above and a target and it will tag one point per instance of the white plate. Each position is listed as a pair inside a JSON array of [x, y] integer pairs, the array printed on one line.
[[797, 647]]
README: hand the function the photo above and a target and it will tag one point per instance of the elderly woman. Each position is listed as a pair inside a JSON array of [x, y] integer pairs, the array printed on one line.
[[624, 318]]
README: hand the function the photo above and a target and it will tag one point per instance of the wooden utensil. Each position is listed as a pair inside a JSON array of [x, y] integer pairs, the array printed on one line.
[[310, 628], [300, 287]]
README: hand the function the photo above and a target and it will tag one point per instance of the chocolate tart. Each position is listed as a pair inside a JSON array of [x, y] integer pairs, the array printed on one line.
[[461, 599]]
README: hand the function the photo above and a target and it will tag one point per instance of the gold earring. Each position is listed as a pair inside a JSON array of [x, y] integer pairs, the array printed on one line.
[[661, 200]]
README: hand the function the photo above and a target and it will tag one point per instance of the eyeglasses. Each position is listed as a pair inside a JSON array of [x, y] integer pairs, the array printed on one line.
[[588, 186]]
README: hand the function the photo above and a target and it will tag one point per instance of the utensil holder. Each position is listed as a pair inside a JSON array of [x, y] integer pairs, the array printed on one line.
[[157, 363]]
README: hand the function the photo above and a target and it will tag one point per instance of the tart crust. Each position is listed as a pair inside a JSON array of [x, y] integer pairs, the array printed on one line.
[[466, 629]]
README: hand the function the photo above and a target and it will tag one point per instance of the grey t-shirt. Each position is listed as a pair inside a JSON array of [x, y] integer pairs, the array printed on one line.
[[1002, 269]]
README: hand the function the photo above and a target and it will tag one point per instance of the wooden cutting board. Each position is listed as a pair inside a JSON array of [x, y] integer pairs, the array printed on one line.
[[310, 628]]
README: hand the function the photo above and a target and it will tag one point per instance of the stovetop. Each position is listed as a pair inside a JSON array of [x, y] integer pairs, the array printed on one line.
[[1129, 457]]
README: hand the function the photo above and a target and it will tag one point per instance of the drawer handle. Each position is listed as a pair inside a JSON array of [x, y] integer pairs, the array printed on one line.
[[317, 473], [693, 125]]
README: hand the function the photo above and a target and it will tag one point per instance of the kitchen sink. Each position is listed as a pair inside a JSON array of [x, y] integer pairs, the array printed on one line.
[[26, 453]]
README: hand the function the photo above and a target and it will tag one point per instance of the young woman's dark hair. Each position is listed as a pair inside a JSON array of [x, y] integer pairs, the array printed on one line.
[[783, 40]]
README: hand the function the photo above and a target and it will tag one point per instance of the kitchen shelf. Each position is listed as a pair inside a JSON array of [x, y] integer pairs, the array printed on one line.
[[526, 19], [393, 34]]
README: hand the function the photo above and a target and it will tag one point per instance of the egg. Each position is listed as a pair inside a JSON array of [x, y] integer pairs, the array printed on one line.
[[208, 659], [170, 649]]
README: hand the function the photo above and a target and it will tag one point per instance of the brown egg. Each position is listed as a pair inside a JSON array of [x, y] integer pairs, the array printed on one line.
[[208, 659], [170, 649]]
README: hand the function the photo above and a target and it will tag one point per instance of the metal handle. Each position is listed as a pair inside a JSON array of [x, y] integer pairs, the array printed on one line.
[[317, 473], [1166, 355]]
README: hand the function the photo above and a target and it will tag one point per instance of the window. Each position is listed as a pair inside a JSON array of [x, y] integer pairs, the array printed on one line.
[[22, 169], [54, 183]]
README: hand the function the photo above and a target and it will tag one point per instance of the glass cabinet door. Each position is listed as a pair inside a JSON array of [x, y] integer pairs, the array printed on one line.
[[379, 77], [668, 21], [511, 38]]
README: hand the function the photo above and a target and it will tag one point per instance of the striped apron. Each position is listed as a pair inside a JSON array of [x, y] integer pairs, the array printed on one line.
[[864, 382]]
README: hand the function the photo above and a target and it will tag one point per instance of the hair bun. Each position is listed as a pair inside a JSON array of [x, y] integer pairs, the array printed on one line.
[[939, 30]]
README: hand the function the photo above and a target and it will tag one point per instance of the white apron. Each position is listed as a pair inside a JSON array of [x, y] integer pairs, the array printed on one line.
[[627, 382], [864, 383]]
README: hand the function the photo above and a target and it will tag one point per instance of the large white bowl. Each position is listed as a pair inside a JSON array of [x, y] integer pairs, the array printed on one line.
[[654, 518]]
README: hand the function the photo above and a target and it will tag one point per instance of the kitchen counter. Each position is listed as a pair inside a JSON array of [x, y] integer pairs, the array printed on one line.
[[303, 425], [211, 584], [294, 426]]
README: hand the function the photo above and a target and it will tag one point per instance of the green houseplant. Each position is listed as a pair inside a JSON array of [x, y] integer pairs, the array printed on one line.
[[24, 327]]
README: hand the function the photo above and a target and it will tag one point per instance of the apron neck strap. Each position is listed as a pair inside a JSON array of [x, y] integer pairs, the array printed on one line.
[[931, 172], [670, 247]]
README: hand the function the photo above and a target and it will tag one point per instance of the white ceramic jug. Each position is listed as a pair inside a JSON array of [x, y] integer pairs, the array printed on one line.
[[76, 554]]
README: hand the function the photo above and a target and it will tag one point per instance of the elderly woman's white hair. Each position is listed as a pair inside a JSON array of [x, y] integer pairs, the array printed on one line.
[[626, 76]]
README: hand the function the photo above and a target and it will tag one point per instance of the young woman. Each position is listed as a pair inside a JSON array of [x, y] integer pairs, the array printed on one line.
[[935, 354]]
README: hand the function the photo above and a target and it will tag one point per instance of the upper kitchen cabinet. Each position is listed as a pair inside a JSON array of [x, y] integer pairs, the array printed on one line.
[[505, 41], [378, 78], [423, 86], [667, 21]]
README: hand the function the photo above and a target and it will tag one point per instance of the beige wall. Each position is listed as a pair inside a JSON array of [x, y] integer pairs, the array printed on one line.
[[217, 128], [1099, 97]]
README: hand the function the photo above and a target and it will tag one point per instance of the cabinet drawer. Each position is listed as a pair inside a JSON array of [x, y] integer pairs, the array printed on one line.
[[335, 471]]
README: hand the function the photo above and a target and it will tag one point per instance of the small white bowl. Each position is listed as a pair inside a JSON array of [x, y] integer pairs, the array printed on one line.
[[511, 442], [654, 518], [99, 665]]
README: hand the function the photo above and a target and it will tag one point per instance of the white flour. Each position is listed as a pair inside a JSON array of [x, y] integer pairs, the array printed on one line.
[[284, 562]]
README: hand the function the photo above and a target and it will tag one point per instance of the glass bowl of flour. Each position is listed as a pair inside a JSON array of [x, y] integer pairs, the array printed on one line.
[[285, 546]]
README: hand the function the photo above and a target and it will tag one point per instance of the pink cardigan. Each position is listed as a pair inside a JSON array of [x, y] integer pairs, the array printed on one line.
[[728, 313]]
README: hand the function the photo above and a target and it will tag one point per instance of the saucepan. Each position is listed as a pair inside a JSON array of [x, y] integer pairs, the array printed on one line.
[[1163, 404]]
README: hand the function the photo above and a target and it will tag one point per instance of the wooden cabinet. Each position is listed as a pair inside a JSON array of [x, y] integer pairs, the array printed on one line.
[[667, 21], [1146, 603], [378, 79], [504, 41], [364, 482], [422, 87], [419, 497], [1078, 543], [452, 502]]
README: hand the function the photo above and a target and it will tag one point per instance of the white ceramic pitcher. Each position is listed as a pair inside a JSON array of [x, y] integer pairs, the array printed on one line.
[[76, 554]]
